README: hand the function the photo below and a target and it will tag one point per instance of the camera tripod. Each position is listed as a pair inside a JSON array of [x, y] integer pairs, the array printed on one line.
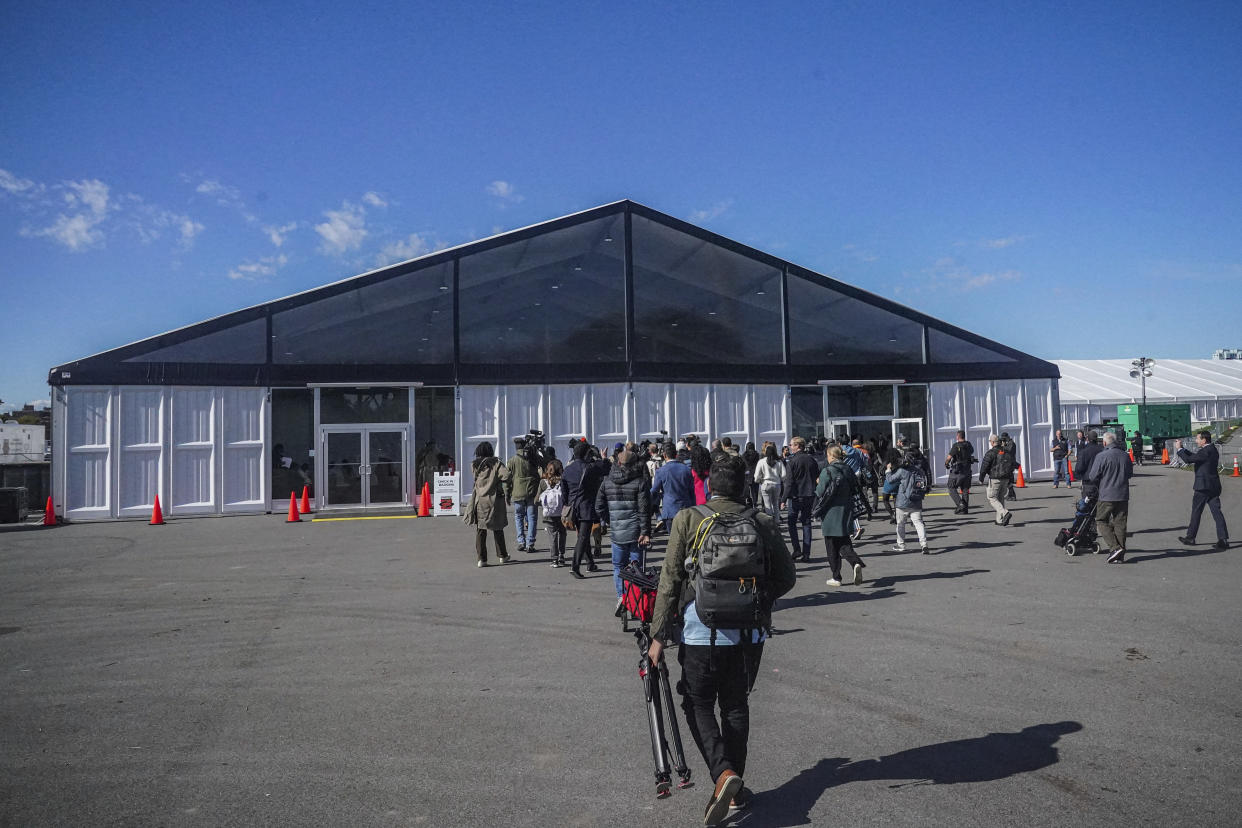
[[660, 700]]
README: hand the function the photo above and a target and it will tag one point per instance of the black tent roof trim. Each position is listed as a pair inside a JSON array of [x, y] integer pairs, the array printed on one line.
[[112, 368]]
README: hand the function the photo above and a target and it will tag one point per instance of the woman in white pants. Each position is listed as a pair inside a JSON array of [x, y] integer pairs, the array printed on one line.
[[770, 475]]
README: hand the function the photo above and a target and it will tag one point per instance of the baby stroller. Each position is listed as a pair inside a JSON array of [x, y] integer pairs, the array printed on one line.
[[638, 597], [1081, 535]]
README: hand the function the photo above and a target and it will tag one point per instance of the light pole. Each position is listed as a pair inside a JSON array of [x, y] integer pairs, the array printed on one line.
[[1142, 370]]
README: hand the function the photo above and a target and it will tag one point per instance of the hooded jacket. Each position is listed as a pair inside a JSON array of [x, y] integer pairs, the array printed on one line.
[[624, 502]]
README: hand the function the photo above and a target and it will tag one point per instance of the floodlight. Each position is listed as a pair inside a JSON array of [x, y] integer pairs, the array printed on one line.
[[1134, 374]]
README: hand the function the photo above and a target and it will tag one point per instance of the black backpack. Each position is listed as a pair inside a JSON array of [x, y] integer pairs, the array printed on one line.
[[728, 570], [1003, 465]]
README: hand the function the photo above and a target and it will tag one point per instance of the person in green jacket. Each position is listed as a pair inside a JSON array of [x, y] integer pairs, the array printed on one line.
[[838, 523], [521, 490]]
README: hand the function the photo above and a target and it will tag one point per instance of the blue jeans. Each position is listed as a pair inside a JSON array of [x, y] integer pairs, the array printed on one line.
[[622, 554], [1060, 471], [526, 519]]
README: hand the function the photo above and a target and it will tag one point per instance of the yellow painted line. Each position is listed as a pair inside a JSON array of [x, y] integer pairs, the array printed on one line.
[[371, 517]]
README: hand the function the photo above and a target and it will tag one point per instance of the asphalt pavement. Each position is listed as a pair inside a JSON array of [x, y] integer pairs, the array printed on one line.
[[246, 671]]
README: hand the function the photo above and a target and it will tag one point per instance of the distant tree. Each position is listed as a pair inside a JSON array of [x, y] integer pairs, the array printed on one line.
[[29, 419]]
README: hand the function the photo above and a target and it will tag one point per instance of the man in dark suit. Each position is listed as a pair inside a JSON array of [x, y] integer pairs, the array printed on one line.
[[1206, 461], [800, 494]]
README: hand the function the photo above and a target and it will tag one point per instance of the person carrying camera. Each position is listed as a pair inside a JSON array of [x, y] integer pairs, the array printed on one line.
[[719, 664], [520, 489]]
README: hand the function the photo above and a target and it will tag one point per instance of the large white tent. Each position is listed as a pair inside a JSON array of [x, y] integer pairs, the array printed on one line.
[[1091, 389]]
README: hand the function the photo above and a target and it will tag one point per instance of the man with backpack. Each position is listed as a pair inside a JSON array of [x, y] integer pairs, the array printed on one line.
[[997, 471], [725, 566], [520, 489], [912, 482], [958, 463]]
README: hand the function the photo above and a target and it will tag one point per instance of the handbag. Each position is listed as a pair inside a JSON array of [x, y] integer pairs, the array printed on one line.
[[860, 504]]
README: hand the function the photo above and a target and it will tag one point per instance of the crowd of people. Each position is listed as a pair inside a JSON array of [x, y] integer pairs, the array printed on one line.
[[718, 608]]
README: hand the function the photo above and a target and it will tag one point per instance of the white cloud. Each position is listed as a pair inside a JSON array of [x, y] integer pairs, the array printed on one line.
[[994, 244], [504, 191], [717, 209], [224, 195], [947, 274], [861, 254], [410, 248], [79, 229], [188, 229], [13, 185], [344, 229], [278, 234], [260, 269], [374, 199]]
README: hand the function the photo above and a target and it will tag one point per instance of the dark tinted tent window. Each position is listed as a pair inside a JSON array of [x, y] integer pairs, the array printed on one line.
[[912, 401], [558, 297], [406, 319], [364, 405], [943, 347], [827, 327], [239, 344], [860, 401], [807, 411], [695, 301]]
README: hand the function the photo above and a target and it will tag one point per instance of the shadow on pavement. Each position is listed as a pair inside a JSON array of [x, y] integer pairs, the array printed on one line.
[[838, 595], [1183, 552], [982, 759], [890, 580]]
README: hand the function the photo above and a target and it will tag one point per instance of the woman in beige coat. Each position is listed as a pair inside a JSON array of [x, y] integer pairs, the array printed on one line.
[[487, 509]]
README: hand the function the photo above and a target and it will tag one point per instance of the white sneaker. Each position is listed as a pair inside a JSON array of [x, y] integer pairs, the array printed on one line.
[[858, 568], [833, 582], [897, 549]]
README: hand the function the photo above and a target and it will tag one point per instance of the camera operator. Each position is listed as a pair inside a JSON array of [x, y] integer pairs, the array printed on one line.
[[523, 485]]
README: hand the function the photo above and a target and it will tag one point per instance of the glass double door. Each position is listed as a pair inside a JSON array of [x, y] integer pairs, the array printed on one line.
[[365, 466]]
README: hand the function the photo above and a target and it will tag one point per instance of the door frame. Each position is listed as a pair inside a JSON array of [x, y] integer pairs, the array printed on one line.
[[364, 430], [922, 429]]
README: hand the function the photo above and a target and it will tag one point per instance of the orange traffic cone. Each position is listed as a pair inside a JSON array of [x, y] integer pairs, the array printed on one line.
[[1164, 456], [1235, 467], [49, 514], [294, 517], [305, 507], [157, 514], [424, 501], [1021, 484]]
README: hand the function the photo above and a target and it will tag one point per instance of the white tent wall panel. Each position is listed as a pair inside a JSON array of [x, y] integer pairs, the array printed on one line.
[[610, 414], [732, 410], [141, 450], [479, 421], [978, 409], [944, 407], [88, 463], [193, 451], [567, 413], [523, 411], [1040, 428], [652, 410], [244, 473], [771, 403], [692, 411], [1009, 415]]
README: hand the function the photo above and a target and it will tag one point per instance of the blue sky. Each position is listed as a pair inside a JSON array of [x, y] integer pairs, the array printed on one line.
[[993, 164]]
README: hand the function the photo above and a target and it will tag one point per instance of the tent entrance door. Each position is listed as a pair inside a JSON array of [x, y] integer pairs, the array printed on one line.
[[365, 466]]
